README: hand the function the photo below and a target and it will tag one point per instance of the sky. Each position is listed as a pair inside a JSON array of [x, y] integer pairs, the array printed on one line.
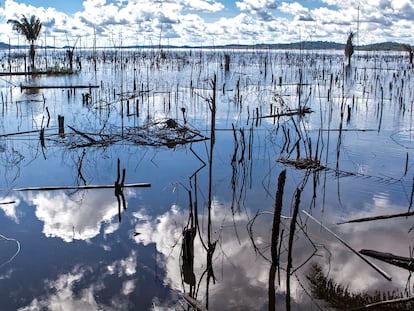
[[211, 22]]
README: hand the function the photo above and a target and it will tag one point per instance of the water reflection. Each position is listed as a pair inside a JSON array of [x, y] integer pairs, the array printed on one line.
[[79, 216], [342, 161], [9, 206]]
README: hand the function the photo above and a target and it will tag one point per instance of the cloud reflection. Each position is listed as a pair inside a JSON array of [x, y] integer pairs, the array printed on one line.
[[64, 297], [76, 291], [79, 216], [242, 275], [9, 209]]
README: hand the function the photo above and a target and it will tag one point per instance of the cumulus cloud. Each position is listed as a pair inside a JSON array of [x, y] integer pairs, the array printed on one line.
[[261, 8], [185, 22]]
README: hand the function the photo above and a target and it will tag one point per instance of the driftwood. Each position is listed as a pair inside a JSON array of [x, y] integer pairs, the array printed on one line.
[[377, 218], [375, 267], [303, 163], [399, 261], [288, 113], [195, 304], [160, 133]]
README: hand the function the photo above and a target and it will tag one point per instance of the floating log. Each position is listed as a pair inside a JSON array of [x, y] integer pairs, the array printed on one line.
[[399, 261], [38, 87], [84, 187], [376, 268], [300, 111], [41, 72]]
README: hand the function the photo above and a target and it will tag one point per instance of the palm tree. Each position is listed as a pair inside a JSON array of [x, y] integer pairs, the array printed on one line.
[[349, 48], [31, 30]]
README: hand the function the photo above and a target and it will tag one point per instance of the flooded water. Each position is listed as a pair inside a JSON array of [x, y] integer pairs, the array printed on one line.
[[190, 145]]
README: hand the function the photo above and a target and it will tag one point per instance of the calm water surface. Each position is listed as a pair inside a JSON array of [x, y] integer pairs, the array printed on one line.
[[84, 250]]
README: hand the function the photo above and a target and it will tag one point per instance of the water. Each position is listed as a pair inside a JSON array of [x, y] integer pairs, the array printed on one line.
[[81, 249]]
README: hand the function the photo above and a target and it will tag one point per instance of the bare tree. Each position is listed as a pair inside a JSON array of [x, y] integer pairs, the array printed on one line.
[[349, 48], [408, 48]]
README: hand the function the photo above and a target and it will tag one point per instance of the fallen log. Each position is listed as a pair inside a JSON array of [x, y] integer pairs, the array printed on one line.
[[38, 87], [300, 111]]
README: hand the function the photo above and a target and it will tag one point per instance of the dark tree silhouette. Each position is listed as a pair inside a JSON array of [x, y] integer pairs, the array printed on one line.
[[349, 48], [410, 52], [30, 29]]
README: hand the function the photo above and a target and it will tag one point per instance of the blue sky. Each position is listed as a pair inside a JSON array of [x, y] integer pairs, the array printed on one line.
[[207, 22], [67, 6]]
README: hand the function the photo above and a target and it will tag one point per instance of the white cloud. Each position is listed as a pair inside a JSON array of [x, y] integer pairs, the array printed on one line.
[[10, 209], [64, 297], [207, 22], [260, 8], [124, 267], [128, 287], [79, 216], [76, 290]]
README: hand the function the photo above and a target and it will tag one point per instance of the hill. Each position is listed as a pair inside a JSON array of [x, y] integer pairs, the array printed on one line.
[[302, 45]]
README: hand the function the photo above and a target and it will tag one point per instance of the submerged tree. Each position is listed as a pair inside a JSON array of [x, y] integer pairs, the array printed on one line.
[[408, 48], [31, 30], [349, 48]]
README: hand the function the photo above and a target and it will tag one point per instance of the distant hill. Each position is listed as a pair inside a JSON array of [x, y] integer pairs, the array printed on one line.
[[3, 45], [384, 46], [324, 45], [303, 45]]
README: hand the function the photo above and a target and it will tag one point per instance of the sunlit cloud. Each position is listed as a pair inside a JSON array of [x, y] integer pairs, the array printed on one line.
[[184, 22]]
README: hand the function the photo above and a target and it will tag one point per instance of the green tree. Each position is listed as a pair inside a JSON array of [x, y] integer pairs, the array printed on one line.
[[30, 29], [349, 47]]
